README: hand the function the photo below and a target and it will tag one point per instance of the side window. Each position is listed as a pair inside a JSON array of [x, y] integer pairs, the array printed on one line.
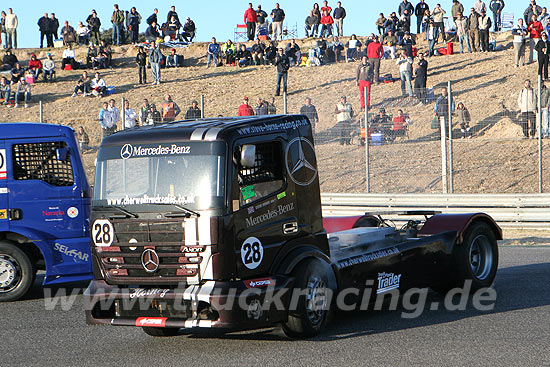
[[39, 161], [266, 175]]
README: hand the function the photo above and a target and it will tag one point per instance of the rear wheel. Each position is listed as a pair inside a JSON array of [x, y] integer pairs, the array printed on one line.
[[17, 272], [160, 331]]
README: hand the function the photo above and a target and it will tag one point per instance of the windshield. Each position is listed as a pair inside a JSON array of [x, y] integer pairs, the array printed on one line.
[[195, 181]]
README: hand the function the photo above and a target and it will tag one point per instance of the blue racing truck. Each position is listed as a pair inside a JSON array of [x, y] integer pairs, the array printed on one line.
[[44, 208]]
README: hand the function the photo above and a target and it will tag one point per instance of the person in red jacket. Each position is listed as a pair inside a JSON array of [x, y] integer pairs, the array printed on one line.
[[245, 109], [535, 29], [399, 125], [375, 51], [35, 66], [326, 24], [250, 19]]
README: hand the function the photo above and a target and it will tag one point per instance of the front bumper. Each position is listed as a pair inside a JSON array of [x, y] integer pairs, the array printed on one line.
[[226, 305]]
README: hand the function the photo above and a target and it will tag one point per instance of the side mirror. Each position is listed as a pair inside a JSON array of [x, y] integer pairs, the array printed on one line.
[[248, 156], [62, 154]]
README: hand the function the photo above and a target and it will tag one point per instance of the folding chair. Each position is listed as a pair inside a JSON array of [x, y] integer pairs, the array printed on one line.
[[240, 33]]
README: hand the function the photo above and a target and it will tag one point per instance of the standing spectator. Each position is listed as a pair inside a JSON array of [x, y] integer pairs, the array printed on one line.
[[326, 7], [344, 115], [543, 50], [407, 44], [271, 109], [172, 13], [68, 58], [258, 52], [406, 8], [283, 64], [419, 11], [311, 21], [535, 30], [4, 39], [473, 30], [115, 112], [464, 120], [421, 78], [130, 116], [5, 90], [83, 34], [153, 18], [262, 18], [154, 115], [229, 51], [194, 112], [155, 59], [54, 24], [105, 120], [170, 109], [339, 15], [457, 9], [438, 13], [213, 53], [311, 113], [380, 24], [95, 24], [245, 109], [83, 139], [278, 16], [353, 45], [326, 24], [527, 103], [98, 85], [68, 34], [134, 18], [484, 27], [533, 8], [544, 104], [11, 29], [317, 16], [363, 79], [480, 7], [496, 7], [118, 20], [261, 108], [375, 51], [462, 32], [441, 108], [49, 68], [35, 66], [405, 72], [144, 112], [152, 33], [250, 19], [22, 92], [44, 27], [544, 18], [189, 30], [83, 85]]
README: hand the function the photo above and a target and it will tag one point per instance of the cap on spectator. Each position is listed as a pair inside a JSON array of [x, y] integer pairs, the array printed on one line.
[[49, 54], [245, 98], [383, 110]]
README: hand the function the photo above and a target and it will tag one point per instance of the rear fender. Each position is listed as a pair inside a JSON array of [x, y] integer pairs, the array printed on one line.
[[457, 222]]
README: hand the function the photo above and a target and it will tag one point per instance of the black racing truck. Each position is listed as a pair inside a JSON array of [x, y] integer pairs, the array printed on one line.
[[217, 223]]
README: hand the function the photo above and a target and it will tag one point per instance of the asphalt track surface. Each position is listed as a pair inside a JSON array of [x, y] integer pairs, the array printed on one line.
[[515, 333]]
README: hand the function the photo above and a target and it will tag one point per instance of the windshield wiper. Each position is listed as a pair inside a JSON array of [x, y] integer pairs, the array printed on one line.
[[187, 213], [126, 212]]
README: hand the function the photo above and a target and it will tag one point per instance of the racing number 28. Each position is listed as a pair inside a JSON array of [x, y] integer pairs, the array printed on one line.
[[102, 232], [252, 252]]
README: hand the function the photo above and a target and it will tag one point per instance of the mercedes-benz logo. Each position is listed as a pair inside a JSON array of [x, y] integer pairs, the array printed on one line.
[[150, 260], [126, 151], [299, 154]]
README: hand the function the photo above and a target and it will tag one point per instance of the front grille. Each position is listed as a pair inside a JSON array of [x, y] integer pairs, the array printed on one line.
[[122, 261]]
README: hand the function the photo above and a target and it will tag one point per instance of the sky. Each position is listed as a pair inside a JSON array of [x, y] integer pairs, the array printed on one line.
[[216, 18]]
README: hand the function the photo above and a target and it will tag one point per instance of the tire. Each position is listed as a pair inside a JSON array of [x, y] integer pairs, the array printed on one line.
[[17, 272], [161, 331], [309, 318], [475, 259], [367, 221]]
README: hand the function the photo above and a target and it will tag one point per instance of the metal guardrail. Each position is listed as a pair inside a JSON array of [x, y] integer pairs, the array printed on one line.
[[513, 211]]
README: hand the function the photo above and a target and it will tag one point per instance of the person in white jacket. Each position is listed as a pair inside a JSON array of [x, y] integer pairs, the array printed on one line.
[[130, 116], [11, 29], [527, 103], [405, 72], [462, 32]]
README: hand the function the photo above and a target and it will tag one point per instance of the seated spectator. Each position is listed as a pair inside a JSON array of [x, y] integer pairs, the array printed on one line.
[[245, 109], [229, 51], [174, 60], [189, 30], [105, 49], [261, 108], [270, 53], [8, 61], [130, 116], [5, 90], [243, 57], [152, 32], [49, 68], [464, 120], [292, 51], [99, 88], [311, 21], [258, 51], [22, 92], [68, 58], [91, 55], [353, 45], [82, 138], [68, 34], [83, 33], [170, 109], [194, 112], [322, 46], [399, 125], [35, 66], [82, 85], [213, 53], [171, 29], [390, 41], [17, 73], [380, 24], [326, 24], [336, 48], [382, 122]]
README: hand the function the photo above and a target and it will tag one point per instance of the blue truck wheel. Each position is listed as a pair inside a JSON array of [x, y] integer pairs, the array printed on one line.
[[17, 272]]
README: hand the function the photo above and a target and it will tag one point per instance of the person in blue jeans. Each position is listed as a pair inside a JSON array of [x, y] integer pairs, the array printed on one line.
[[433, 35], [213, 52], [283, 64], [155, 59], [118, 20]]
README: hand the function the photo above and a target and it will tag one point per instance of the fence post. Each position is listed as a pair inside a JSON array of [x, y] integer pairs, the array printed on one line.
[[41, 113], [539, 113], [202, 106], [123, 109], [367, 167], [285, 107], [451, 180], [442, 129]]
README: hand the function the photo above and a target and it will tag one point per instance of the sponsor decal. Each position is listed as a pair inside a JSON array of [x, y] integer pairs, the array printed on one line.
[[248, 192], [299, 157], [146, 199], [258, 283], [265, 203], [3, 214], [3, 165], [251, 210], [151, 321], [387, 282], [193, 249], [103, 233], [129, 151], [367, 257], [75, 254], [53, 214], [281, 195], [254, 309], [141, 292], [252, 253], [3, 190], [280, 210], [72, 212], [261, 128]]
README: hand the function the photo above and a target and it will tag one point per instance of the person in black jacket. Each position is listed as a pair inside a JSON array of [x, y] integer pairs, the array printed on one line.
[[419, 11], [270, 53], [311, 112], [172, 13], [189, 30], [421, 78], [141, 61], [8, 61], [153, 17], [258, 51], [194, 112], [243, 57], [95, 24], [54, 25], [152, 33], [45, 26], [543, 50], [283, 64], [339, 15]]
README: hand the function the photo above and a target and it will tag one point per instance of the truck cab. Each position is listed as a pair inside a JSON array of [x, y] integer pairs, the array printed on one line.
[[45, 203]]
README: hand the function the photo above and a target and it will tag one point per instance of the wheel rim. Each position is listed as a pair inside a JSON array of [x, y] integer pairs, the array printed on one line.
[[10, 273], [481, 257], [316, 300]]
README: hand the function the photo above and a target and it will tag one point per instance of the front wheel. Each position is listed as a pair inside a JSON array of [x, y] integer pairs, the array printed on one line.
[[17, 272], [157, 331]]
